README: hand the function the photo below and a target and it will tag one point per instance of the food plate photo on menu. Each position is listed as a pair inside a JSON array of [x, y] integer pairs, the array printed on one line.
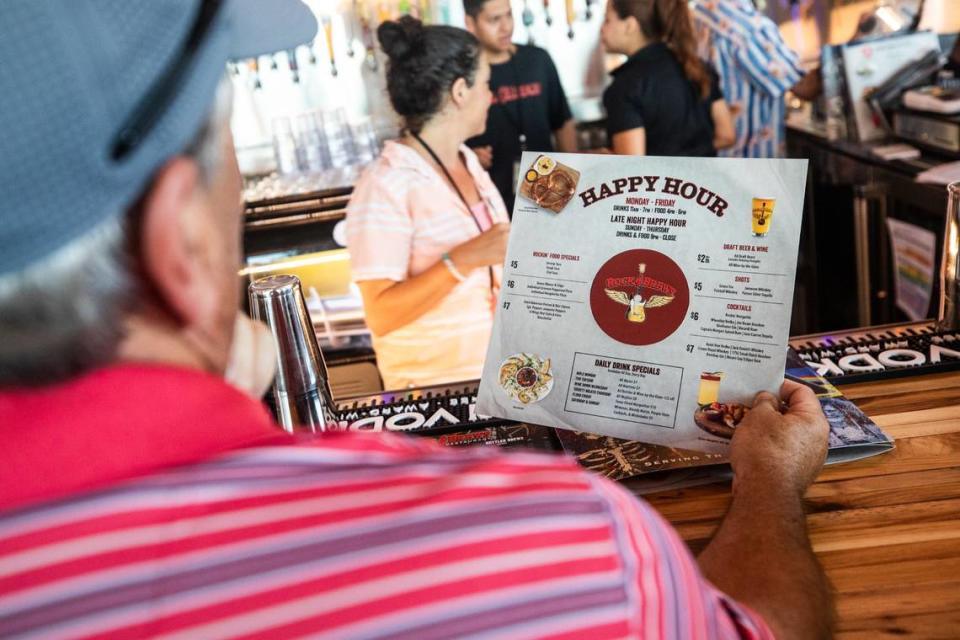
[[716, 418], [720, 419], [549, 184], [526, 377]]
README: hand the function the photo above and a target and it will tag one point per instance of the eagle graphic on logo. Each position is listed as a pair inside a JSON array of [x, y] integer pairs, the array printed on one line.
[[637, 304]]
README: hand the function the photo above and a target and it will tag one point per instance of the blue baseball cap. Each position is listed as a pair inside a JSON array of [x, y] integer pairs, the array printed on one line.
[[99, 94]]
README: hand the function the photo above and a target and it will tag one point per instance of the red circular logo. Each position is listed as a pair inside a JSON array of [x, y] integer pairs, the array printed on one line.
[[639, 297]]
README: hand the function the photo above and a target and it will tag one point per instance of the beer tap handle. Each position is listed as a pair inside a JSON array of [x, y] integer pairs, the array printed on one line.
[[366, 34], [444, 11], [384, 12], [528, 20], [571, 18], [589, 9], [328, 36], [253, 65], [423, 11], [273, 62], [546, 12], [292, 61], [351, 21]]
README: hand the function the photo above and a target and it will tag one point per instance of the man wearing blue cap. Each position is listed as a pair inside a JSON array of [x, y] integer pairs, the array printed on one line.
[[142, 495]]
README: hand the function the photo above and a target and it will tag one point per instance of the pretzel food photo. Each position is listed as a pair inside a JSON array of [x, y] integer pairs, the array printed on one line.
[[549, 184]]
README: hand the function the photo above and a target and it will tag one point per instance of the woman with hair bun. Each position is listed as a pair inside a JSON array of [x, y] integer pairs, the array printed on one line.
[[663, 100], [426, 228]]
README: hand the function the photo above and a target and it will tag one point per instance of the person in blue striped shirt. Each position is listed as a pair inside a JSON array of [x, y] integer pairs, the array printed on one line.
[[756, 70]]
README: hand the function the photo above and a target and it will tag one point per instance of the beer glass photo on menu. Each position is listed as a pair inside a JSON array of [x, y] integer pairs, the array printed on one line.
[[709, 391], [762, 215]]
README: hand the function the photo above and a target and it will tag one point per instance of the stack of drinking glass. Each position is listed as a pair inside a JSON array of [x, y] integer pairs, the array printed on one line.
[[318, 141], [316, 151]]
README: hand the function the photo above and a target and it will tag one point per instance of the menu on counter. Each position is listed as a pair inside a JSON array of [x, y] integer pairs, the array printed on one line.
[[645, 298]]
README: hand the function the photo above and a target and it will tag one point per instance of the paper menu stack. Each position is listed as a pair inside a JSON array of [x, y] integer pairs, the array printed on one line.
[[651, 302]]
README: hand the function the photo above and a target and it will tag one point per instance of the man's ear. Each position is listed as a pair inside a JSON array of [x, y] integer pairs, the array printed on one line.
[[458, 92], [470, 23], [175, 258]]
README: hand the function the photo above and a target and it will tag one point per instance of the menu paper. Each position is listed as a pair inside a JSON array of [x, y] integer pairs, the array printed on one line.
[[645, 298]]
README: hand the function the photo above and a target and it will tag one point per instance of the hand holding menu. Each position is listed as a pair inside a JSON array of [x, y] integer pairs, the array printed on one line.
[[645, 298]]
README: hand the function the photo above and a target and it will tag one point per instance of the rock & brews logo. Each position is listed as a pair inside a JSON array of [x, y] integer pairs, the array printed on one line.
[[639, 297]]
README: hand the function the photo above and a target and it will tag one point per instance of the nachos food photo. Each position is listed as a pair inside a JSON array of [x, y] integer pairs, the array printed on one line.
[[549, 184], [526, 377]]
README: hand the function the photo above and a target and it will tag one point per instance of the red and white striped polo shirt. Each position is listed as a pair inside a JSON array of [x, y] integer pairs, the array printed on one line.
[[146, 501]]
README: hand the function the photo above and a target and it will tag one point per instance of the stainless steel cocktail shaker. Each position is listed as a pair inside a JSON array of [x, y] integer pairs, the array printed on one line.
[[301, 396]]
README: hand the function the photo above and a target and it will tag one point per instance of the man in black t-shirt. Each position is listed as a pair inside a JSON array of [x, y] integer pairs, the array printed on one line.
[[529, 110]]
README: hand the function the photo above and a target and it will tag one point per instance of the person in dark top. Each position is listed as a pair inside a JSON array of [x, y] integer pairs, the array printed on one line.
[[953, 62], [529, 110], [663, 100]]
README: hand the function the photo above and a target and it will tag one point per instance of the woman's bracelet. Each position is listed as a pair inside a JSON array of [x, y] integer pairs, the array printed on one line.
[[452, 268]]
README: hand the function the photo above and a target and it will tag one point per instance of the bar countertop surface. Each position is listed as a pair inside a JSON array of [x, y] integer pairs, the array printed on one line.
[[887, 528]]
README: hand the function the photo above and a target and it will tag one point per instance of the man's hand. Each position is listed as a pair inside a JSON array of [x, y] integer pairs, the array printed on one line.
[[777, 450], [253, 357], [485, 156], [809, 86], [488, 248], [761, 554]]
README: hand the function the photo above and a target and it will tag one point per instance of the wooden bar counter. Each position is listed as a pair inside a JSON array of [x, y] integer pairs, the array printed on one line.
[[887, 529]]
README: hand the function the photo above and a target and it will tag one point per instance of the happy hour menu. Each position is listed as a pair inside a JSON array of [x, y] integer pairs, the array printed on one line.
[[645, 298]]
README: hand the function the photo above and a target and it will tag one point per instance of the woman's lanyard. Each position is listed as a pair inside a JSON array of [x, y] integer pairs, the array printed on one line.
[[449, 177]]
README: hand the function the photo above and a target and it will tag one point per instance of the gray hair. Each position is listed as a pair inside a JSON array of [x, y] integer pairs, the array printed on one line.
[[65, 314]]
